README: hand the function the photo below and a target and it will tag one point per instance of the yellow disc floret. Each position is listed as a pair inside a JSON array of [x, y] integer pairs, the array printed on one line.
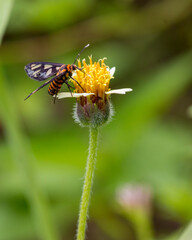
[[94, 78]]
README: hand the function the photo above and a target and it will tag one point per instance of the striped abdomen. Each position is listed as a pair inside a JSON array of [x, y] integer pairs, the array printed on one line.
[[55, 86]]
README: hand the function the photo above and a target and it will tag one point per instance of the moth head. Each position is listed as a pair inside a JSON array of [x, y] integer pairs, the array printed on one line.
[[73, 67]]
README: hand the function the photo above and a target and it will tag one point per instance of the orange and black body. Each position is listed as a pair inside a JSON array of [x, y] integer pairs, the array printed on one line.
[[64, 73], [41, 71]]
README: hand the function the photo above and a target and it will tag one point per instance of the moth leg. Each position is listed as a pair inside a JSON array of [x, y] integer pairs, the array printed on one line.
[[38, 89], [78, 83], [55, 96], [81, 69], [69, 87]]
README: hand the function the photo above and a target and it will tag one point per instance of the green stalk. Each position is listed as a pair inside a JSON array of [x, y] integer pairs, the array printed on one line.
[[142, 223], [88, 182]]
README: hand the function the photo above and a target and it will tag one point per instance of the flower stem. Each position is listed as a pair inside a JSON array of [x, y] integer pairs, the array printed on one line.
[[88, 182], [142, 222]]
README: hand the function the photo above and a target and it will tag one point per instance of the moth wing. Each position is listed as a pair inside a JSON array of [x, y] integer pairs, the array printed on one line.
[[40, 71]]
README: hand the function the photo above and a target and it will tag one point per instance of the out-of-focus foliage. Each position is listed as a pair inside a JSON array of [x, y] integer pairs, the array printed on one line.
[[5, 8], [187, 234], [149, 140]]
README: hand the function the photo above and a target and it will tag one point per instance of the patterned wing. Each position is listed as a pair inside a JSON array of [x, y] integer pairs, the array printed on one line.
[[42, 70]]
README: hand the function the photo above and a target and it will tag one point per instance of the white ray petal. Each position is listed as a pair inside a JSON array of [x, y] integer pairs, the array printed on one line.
[[112, 71], [74, 74], [69, 95], [119, 91]]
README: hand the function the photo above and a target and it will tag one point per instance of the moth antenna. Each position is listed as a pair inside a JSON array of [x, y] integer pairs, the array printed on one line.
[[81, 52]]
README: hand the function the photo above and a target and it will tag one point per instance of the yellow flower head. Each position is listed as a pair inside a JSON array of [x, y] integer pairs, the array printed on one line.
[[94, 78], [91, 82]]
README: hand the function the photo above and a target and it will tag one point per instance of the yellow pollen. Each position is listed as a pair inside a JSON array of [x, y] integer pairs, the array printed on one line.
[[94, 78]]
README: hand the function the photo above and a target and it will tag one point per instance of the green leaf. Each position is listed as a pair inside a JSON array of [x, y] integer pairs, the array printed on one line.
[[5, 10]]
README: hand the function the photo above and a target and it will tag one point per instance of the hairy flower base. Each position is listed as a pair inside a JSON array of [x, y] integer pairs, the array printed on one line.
[[91, 115]]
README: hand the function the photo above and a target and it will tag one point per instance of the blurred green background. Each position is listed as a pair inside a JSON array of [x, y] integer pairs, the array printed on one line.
[[43, 151]]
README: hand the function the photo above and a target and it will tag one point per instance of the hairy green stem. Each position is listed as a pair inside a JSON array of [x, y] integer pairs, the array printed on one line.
[[88, 182]]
